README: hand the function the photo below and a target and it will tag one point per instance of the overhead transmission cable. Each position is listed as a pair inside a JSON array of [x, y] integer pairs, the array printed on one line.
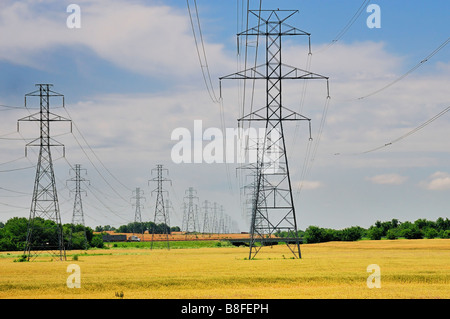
[[421, 126], [347, 26], [423, 61], [201, 53], [202, 57], [90, 148]]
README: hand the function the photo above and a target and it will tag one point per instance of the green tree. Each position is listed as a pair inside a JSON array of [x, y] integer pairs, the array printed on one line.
[[412, 232], [392, 234], [430, 232], [313, 234], [97, 241], [444, 234], [375, 233], [13, 234], [352, 233]]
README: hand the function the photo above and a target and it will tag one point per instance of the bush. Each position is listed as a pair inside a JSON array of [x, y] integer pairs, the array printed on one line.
[[430, 233], [391, 234], [444, 234], [375, 233], [413, 232], [97, 241], [313, 234], [351, 234]]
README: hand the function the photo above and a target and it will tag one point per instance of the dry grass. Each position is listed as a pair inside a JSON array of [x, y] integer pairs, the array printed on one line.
[[409, 269]]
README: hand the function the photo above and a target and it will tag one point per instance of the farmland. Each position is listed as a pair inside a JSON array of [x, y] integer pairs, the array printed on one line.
[[409, 269]]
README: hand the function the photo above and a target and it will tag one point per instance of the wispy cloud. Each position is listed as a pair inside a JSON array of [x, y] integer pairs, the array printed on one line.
[[308, 185], [437, 181], [388, 179]]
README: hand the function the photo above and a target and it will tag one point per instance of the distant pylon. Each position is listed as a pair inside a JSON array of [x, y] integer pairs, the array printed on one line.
[[137, 196], [206, 217], [168, 209], [78, 214], [190, 224], [44, 202], [274, 210], [221, 221], [215, 219], [160, 210]]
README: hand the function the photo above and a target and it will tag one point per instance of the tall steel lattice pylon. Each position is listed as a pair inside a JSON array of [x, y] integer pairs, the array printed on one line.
[[137, 197], [274, 205], [78, 214], [160, 209], [190, 209], [44, 236], [206, 217]]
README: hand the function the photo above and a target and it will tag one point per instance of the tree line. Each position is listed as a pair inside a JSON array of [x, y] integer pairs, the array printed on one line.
[[139, 228], [394, 229], [13, 233]]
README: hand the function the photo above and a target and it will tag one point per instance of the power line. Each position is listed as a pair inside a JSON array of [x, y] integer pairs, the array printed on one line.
[[423, 61], [421, 126], [90, 160], [347, 26], [202, 56]]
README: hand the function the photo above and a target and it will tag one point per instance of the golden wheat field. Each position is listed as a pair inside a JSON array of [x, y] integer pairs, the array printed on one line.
[[408, 269]]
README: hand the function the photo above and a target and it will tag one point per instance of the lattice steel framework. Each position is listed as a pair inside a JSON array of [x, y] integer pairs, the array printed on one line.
[[137, 197], [160, 209], [190, 224], [274, 205], [78, 214], [44, 236], [206, 217]]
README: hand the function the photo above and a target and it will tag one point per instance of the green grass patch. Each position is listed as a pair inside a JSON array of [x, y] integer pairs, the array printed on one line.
[[172, 244]]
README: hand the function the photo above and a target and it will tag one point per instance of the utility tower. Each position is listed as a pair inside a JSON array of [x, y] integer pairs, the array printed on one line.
[[206, 217], [215, 219], [137, 196], [168, 209], [78, 215], [44, 204], [250, 188], [190, 224], [274, 206], [160, 209], [221, 221]]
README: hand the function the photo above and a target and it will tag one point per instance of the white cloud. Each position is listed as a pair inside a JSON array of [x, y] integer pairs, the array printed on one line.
[[308, 185], [388, 179], [437, 181], [151, 39]]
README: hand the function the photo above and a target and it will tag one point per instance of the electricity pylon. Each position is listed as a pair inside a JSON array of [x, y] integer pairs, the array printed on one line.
[[215, 219], [78, 214], [206, 217], [168, 209], [221, 221], [274, 210], [137, 212], [190, 224], [44, 202], [160, 209]]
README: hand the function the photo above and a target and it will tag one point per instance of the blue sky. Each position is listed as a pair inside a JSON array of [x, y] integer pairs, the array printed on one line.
[[131, 75]]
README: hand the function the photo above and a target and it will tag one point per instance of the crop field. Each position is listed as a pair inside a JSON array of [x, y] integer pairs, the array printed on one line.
[[408, 269]]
